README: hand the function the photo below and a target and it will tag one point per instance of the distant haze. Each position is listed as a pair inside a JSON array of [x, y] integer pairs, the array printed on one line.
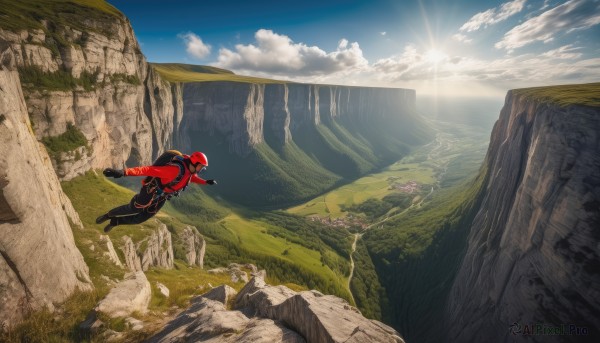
[[474, 111]]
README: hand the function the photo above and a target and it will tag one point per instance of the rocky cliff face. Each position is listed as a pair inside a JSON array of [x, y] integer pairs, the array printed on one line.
[[37, 248], [247, 114], [533, 252], [124, 110]]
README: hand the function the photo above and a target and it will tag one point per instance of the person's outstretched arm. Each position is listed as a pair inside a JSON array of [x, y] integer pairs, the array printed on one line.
[[168, 172], [196, 179]]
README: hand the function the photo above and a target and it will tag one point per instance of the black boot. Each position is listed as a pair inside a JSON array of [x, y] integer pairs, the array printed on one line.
[[102, 218], [113, 222]]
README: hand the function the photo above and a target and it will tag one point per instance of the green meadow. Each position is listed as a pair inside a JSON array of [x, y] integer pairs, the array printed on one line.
[[376, 186], [254, 236], [587, 94], [175, 72]]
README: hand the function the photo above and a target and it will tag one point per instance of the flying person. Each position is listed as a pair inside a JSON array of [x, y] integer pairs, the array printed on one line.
[[167, 177]]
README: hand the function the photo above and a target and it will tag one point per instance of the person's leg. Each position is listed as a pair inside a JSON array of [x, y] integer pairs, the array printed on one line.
[[137, 218], [136, 206]]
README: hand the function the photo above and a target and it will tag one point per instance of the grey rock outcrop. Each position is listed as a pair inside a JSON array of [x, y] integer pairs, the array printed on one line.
[[37, 247], [159, 249], [274, 314], [207, 320], [222, 294], [533, 249], [128, 296], [194, 245], [317, 317], [132, 260], [110, 253], [155, 250]]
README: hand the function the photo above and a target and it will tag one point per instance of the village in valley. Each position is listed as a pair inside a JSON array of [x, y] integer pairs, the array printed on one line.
[[358, 222]]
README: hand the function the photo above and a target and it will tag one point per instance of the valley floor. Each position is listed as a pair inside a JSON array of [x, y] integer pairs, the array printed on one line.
[[455, 155]]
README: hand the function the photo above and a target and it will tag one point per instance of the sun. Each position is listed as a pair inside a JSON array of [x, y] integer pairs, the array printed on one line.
[[435, 56]]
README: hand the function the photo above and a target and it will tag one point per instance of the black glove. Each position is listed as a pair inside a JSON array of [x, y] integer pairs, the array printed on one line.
[[116, 173], [211, 182]]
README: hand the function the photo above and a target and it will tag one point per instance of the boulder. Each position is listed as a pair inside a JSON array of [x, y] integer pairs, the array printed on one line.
[[326, 318], [205, 320], [130, 295], [163, 289], [317, 317], [222, 294], [261, 330]]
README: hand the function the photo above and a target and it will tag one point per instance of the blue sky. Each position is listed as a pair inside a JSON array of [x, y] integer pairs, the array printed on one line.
[[437, 47]]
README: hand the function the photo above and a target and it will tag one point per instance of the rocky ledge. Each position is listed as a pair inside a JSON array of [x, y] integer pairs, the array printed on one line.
[[264, 313]]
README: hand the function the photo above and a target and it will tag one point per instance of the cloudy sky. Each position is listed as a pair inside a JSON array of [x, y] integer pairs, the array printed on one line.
[[458, 47]]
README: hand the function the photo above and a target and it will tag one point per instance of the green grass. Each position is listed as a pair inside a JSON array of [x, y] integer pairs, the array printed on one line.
[[253, 236], [175, 72], [184, 282], [27, 14], [564, 95], [32, 77], [191, 68], [373, 186], [92, 195], [69, 140], [58, 326]]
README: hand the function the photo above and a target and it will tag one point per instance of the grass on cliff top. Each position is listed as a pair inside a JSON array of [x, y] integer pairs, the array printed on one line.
[[175, 72], [587, 94], [28, 14]]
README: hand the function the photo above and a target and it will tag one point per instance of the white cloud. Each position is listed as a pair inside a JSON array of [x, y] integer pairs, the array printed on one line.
[[545, 5], [564, 52], [195, 47], [570, 16], [560, 65], [493, 15], [383, 33], [276, 54], [462, 38]]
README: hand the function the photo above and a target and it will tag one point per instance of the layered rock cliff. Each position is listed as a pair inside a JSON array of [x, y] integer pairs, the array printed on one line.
[[533, 253], [248, 113], [39, 262], [100, 82]]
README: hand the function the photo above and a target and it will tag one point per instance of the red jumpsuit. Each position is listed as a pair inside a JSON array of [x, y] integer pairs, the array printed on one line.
[[151, 197]]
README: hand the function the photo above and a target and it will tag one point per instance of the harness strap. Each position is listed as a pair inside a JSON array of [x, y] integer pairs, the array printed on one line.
[[178, 162]]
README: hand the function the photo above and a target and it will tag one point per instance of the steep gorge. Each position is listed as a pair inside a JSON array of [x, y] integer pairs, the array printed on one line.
[[515, 249]]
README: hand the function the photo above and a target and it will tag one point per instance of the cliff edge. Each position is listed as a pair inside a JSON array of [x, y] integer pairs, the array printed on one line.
[[39, 262], [532, 256]]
